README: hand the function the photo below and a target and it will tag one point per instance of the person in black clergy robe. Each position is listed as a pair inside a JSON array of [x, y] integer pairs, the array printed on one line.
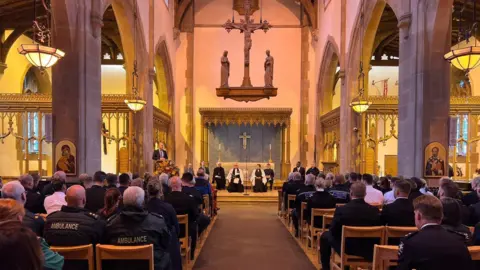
[[313, 170], [258, 179], [219, 177], [160, 153], [235, 178], [270, 175], [300, 169]]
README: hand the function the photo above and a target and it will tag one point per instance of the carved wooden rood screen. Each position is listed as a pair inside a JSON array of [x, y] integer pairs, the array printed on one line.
[[248, 117], [26, 132]]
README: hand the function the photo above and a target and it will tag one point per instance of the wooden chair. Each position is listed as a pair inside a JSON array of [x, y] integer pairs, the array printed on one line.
[[327, 220], [184, 241], [289, 213], [315, 231], [384, 257], [84, 253], [302, 224], [340, 205], [280, 200], [111, 252], [206, 209], [474, 252], [393, 232], [339, 262]]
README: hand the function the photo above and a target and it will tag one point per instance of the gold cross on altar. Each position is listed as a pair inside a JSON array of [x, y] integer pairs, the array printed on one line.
[[247, 27], [244, 137]]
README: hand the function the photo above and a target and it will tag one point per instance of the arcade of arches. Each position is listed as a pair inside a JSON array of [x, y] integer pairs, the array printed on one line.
[[417, 97]]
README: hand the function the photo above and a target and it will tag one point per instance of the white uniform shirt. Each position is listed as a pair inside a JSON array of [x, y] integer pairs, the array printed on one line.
[[374, 196], [389, 197], [54, 202]]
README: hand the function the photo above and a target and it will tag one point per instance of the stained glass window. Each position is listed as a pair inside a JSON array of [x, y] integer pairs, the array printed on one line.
[[462, 132]]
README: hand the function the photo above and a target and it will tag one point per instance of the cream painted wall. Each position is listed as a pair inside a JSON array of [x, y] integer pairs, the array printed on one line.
[[17, 66], [114, 80], [284, 44], [180, 100], [378, 73]]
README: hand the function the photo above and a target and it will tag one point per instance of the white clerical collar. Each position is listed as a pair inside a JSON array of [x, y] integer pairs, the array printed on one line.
[[428, 224], [401, 198]]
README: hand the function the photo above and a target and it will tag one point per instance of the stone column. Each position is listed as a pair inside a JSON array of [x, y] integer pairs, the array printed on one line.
[[424, 92], [76, 85]]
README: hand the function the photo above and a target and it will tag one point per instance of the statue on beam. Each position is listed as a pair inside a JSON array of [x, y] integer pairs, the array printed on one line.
[[268, 70], [225, 72]]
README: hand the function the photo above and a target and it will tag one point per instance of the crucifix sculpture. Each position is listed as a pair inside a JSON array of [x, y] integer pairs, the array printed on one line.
[[247, 27], [244, 137]]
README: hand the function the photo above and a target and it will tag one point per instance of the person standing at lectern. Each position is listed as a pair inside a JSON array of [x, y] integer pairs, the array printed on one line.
[[219, 176], [161, 153], [258, 179], [235, 178], [313, 170], [269, 174], [300, 169]]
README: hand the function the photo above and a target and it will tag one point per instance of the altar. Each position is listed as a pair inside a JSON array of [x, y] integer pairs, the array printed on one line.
[[247, 136]]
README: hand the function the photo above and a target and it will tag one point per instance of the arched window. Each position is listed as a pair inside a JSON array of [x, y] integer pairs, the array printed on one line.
[[462, 133], [31, 129]]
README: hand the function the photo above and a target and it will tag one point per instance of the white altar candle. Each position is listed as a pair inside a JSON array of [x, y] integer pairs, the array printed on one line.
[[219, 147], [270, 146]]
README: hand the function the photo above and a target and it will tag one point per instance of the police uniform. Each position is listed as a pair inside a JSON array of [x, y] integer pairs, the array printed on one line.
[[73, 226], [34, 222], [134, 226], [433, 247]]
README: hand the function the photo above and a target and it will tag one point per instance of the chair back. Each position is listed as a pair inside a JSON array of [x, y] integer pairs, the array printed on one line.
[[359, 232], [320, 213], [280, 196], [83, 253], [474, 252], [394, 232], [206, 202], [327, 220], [340, 205], [384, 257], [377, 205], [291, 198], [111, 252], [183, 222]]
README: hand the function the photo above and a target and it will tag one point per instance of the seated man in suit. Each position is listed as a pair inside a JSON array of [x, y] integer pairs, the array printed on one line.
[[340, 190], [35, 200], [291, 189], [400, 212], [474, 196], [321, 198], [96, 194], [449, 189], [303, 194], [355, 213], [432, 247]]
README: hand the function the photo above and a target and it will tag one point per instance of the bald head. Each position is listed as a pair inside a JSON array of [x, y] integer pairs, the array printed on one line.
[[175, 184], [75, 196]]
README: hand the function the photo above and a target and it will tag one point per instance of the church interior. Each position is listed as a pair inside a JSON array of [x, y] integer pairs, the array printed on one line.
[[246, 94]]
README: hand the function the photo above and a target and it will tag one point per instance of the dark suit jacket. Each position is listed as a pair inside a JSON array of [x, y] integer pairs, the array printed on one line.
[[301, 171], [183, 204], [433, 248], [319, 199], [470, 198], [156, 154], [34, 202], [398, 213], [95, 198], [315, 171], [356, 213], [290, 189], [218, 171]]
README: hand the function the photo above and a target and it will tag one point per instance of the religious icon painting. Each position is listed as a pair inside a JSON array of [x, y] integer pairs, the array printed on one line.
[[66, 157], [435, 160]]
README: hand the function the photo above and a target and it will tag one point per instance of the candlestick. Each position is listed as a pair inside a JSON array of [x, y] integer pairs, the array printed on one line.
[[270, 146], [219, 147]]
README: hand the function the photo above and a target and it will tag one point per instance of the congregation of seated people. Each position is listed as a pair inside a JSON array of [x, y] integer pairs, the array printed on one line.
[[121, 210], [442, 222]]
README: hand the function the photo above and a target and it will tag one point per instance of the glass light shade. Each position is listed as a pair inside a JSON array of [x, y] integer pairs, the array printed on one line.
[[41, 56], [464, 59], [360, 105], [135, 104]]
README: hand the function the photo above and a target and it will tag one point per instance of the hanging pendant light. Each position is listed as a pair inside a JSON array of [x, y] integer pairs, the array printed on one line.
[[136, 103], [360, 104], [466, 54], [40, 56]]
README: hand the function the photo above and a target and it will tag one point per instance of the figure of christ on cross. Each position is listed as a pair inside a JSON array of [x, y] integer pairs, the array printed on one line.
[[244, 137], [247, 27]]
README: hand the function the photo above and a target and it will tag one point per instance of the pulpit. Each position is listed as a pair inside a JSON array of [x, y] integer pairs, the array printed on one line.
[[330, 167]]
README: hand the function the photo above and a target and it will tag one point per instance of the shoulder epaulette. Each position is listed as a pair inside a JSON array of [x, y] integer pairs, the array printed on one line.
[[91, 214]]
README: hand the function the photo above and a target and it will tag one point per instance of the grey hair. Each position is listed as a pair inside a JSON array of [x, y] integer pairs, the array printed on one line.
[[60, 175], [25, 179], [290, 176], [163, 178], [297, 176], [154, 187], [13, 190], [476, 182], [330, 176], [83, 176], [310, 180], [134, 196]]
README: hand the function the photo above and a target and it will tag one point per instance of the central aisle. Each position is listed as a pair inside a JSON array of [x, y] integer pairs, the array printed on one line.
[[250, 237]]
